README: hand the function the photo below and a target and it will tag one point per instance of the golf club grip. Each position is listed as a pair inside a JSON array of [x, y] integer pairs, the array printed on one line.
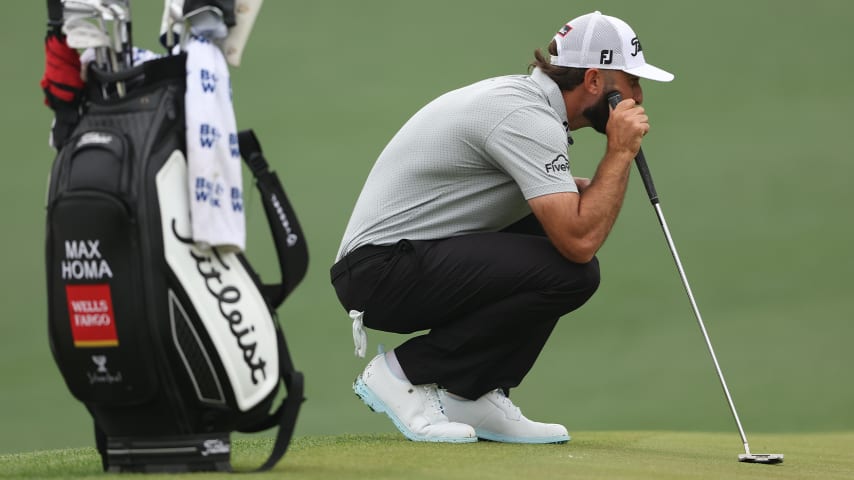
[[643, 168], [640, 160]]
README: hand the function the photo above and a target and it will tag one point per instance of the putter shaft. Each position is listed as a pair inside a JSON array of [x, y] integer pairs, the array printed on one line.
[[657, 205]]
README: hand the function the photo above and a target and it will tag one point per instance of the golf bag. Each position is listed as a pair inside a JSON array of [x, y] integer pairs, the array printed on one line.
[[169, 346]]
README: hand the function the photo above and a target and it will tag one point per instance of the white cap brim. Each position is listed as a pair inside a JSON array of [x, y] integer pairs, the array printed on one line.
[[650, 72]]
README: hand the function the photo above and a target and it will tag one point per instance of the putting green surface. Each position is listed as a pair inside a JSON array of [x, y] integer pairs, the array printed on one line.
[[590, 455]]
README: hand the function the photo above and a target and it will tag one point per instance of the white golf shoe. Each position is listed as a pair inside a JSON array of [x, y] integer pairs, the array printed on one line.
[[416, 410], [494, 417]]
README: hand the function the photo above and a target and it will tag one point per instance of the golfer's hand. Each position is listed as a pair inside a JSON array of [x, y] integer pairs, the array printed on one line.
[[626, 127]]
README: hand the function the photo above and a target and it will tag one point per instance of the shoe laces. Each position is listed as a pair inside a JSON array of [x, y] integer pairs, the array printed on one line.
[[505, 403], [433, 403]]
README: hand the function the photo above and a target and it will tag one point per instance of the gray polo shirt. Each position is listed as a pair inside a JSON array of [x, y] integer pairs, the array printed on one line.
[[466, 163]]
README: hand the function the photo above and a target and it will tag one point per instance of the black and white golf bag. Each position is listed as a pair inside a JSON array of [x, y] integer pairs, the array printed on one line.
[[170, 347]]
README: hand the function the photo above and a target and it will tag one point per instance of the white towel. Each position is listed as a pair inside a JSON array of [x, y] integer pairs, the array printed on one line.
[[360, 338], [213, 155]]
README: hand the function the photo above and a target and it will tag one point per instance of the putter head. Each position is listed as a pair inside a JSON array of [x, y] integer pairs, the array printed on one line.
[[769, 458]]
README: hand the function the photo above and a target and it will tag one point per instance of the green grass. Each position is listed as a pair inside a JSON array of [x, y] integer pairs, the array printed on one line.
[[611, 455], [750, 149]]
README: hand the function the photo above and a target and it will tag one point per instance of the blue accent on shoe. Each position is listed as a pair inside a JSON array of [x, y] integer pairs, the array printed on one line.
[[367, 395], [497, 437]]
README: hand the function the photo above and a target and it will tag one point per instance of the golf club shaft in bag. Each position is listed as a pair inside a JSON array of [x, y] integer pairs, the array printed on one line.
[[640, 160]]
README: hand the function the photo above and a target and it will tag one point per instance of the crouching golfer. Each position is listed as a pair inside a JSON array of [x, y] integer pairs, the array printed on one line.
[[472, 228]]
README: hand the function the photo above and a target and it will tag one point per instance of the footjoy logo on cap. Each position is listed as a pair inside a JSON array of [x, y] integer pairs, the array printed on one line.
[[606, 57], [559, 164]]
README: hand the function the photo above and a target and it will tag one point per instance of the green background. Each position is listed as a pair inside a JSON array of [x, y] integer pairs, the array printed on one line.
[[750, 150]]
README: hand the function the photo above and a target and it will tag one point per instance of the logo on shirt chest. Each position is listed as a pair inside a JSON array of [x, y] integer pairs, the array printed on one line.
[[559, 164]]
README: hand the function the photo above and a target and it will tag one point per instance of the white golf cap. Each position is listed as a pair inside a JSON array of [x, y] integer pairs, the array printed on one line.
[[600, 41]]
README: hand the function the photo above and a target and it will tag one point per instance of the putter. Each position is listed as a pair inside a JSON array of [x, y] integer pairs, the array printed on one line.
[[768, 458]]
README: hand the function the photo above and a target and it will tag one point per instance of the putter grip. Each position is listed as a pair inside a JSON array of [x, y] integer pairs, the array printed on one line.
[[640, 160]]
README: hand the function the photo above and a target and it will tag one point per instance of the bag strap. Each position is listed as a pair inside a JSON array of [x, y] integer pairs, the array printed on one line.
[[285, 417], [288, 237], [292, 253]]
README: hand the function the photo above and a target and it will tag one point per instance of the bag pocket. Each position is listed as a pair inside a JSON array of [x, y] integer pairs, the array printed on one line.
[[96, 306], [96, 160]]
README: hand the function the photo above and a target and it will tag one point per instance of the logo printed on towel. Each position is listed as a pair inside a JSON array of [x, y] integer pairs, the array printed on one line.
[[208, 135], [201, 39], [236, 200], [208, 192], [208, 80], [90, 310], [233, 145]]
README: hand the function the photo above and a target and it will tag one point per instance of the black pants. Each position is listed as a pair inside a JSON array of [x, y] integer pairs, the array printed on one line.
[[489, 301]]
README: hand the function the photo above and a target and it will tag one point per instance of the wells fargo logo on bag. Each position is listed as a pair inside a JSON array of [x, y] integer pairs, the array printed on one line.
[[90, 310]]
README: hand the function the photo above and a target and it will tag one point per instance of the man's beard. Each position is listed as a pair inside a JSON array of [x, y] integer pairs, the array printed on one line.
[[598, 114]]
